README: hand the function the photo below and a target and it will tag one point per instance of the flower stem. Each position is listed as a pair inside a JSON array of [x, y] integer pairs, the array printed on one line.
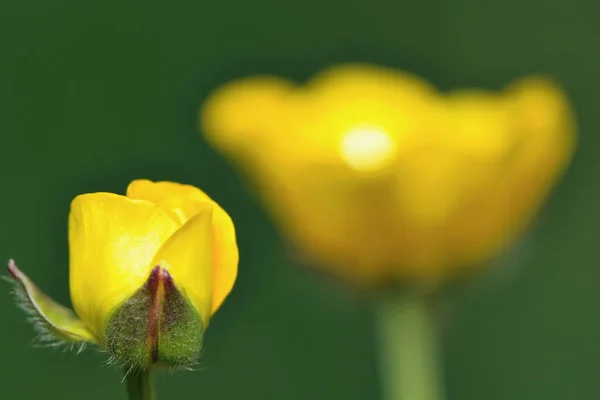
[[140, 386], [408, 355]]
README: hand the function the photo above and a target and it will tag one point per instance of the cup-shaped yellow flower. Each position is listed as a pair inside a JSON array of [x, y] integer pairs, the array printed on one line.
[[147, 272], [376, 174]]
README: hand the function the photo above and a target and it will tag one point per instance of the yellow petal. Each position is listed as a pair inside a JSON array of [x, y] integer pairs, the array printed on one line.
[[542, 128], [369, 80], [112, 240], [187, 257], [182, 202], [225, 256], [243, 112]]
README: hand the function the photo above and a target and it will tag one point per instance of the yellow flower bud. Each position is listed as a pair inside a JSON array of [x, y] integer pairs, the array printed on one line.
[[147, 272], [375, 174]]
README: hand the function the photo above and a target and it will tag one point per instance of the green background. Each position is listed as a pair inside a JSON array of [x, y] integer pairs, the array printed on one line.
[[95, 94]]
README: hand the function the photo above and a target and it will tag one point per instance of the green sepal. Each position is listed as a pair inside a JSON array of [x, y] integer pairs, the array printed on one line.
[[55, 323], [156, 326]]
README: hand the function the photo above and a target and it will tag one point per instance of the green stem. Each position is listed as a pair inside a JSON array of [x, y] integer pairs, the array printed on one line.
[[139, 385], [408, 349]]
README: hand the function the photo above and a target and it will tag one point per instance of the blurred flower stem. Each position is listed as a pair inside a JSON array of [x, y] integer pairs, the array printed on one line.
[[408, 352], [140, 385]]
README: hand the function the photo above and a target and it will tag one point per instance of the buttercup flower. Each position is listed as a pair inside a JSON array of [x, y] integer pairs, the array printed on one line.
[[147, 272], [377, 175]]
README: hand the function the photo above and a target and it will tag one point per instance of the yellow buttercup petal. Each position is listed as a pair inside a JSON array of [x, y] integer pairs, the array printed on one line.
[[225, 256], [182, 202], [370, 81], [187, 257], [546, 119], [112, 241], [241, 114], [545, 130]]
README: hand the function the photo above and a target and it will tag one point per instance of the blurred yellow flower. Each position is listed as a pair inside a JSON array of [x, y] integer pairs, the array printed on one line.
[[147, 272], [375, 174]]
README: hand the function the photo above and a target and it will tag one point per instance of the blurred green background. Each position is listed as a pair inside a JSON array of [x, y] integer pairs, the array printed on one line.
[[95, 94]]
